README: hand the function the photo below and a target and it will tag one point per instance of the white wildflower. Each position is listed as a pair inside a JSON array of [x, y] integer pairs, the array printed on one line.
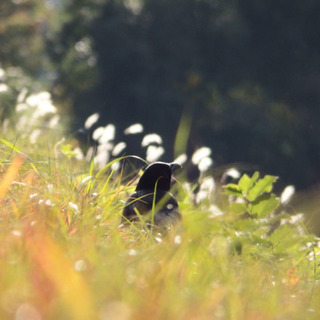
[[115, 166], [22, 107], [44, 108], [97, 133], [205, 164], [35, 99], [54, 121], [34, 136], [199, 154], [118, 148], [151, 138], [102, 158], [3, 88], [24, 122], [287, 194], [108, 134], [91, 120], [207, 187], [233, 173], [177, 239], [201, 195], [79, 154], [181, 159], [85, 180], [108, 146], [208, 184], [296, 218], [42, 103], [134, 129], [214, 211], [187, 187], [154, 153], [74, 207]]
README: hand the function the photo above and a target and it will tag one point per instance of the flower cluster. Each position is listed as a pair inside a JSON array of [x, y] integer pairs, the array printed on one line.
[[152, 144], [34, 113]]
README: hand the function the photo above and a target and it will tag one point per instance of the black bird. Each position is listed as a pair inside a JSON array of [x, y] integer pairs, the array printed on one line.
[[152, 195]]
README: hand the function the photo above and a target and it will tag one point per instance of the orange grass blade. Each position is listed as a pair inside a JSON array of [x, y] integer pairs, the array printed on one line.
[[10, 175], [71, 288]]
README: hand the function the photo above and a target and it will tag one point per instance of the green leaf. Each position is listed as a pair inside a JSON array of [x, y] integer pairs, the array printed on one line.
[[281, 234], [264, 205], [66, 149], [285, 241], [238, 208], [262, 186], [233, 190], [11, 146], [246, 183]]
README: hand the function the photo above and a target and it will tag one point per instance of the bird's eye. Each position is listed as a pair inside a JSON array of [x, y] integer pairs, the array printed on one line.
[[169, 206]]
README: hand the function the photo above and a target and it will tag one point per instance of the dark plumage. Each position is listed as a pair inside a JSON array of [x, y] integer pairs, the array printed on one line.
[[157, 176]]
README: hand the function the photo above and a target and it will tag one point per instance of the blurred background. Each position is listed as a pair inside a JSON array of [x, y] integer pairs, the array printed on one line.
[[242, 77]]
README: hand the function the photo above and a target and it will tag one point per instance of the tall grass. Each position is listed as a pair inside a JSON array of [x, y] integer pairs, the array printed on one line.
[[63, 255]]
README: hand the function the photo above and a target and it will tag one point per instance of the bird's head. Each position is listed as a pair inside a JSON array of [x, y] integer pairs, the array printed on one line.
[[160, 173]]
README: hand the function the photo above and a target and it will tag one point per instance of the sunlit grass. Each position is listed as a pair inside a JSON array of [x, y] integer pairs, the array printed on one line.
[[63, 255]]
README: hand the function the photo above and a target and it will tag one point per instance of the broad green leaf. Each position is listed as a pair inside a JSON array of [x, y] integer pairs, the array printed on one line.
[[285, 241], [233, 190], [238, 208], [281, 234], [264, 205], [262, 186], [245, 227], [255, 176], [246, 183]]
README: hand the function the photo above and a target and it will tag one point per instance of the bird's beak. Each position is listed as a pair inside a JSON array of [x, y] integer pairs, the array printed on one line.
[[174, 166]]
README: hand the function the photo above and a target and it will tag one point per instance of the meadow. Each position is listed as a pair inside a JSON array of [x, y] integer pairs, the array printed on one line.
[[239, 253]]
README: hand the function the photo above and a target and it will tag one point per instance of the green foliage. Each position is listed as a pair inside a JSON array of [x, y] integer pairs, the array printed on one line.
[[255, 195], [238, 255], [264, 205], [68, 151], [22, 28], [262, 225], [64, 256]]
